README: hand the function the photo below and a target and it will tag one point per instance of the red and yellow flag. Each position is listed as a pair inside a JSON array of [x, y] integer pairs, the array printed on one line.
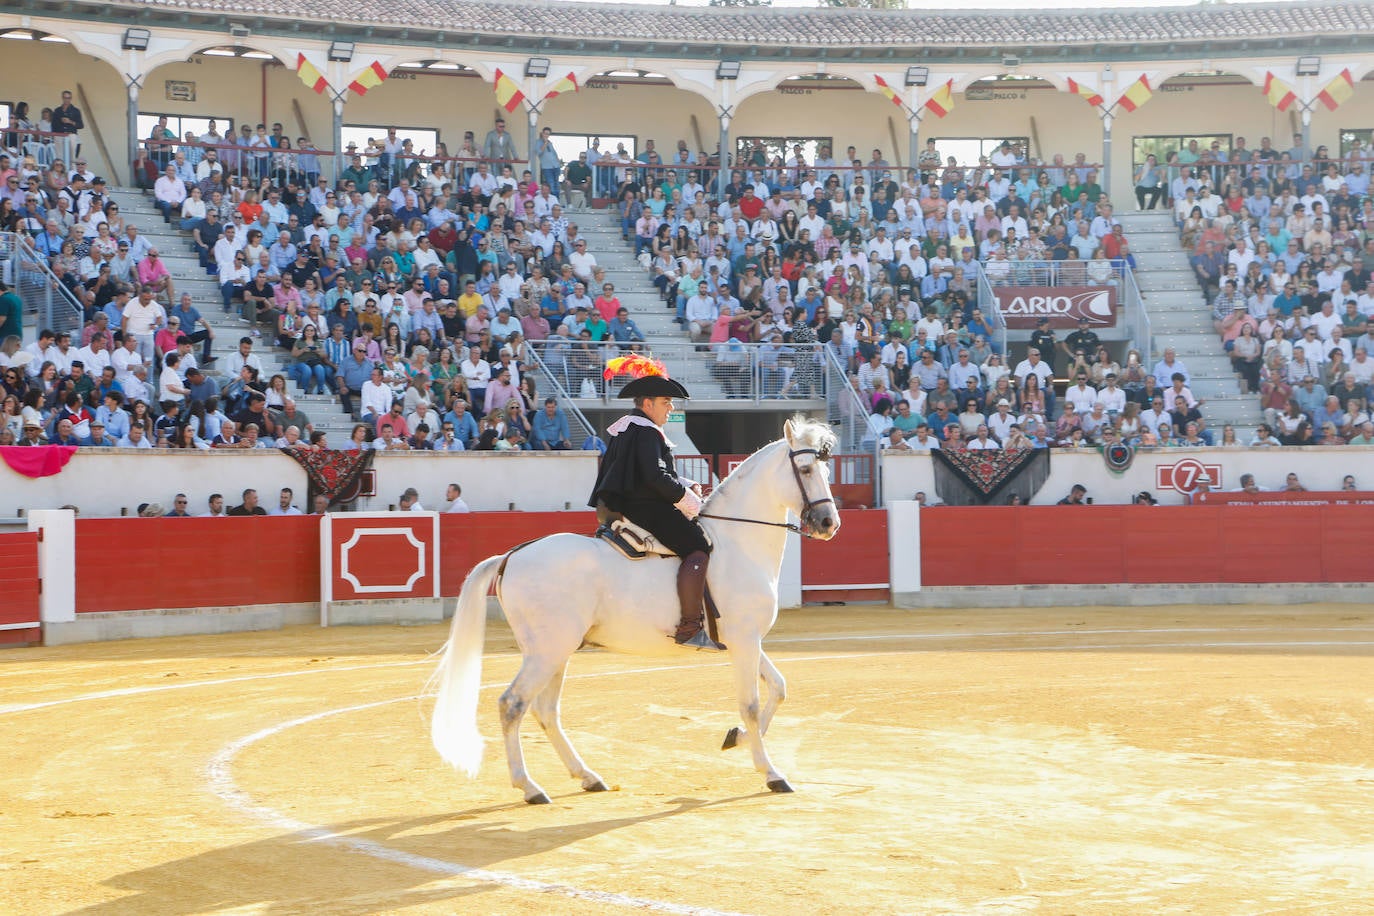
[[1279, 93], [1137, 94], [566, 84], [942, 102], [1337, 91], [369, 78], [887, 90], [310, 74], [1092, 96], [508, 92]]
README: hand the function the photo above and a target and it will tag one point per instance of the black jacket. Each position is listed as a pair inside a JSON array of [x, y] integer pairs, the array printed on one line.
[[638, 465]]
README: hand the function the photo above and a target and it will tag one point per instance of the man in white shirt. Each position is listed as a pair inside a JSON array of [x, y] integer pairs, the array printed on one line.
[[234, 362], [142, 318], [169, 192], [454, 495], [169, 383], [1081, 396], [375, 399], [583, 263], [283, 506], [700, 314], [125, 359], [1033, 365]]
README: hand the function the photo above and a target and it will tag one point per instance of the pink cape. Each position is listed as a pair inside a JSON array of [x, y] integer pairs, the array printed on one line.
[[37, 461]]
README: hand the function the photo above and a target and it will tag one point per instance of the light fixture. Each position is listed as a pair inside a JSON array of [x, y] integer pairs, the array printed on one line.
[[341, 51], [239, 32], [728, 70], [1309, 66], [917, 76], [537, 66], [1010, 62], [136, 39]]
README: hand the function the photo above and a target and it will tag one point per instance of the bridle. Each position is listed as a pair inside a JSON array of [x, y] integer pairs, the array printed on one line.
[[805, 529]]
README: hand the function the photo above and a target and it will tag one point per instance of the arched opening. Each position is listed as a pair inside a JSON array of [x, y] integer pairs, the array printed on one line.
[[219, 92], [51, 66], [637, 110]]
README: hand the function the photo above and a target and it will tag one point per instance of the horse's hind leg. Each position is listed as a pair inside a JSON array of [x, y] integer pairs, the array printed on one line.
[[777, 692], [535, 675], [545, 709]]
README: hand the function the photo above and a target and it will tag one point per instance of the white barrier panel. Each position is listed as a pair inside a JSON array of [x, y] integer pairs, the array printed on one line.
[[1163, 472], [104, 483], [56, 563], [904, 546], [790, 577]]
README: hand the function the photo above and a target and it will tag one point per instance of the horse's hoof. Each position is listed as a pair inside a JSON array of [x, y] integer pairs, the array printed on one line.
[[542, 799], [731, 739], [780, 786], [597, 786]]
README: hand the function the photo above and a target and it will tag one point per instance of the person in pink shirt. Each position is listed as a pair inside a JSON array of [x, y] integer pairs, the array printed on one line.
[[608, 304], [152, 272]]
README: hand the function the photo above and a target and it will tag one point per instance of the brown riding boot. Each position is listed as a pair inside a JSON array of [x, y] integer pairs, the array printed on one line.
[[691, 594]]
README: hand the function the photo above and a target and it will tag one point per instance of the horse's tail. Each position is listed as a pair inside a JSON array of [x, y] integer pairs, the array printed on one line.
[[453, 728]]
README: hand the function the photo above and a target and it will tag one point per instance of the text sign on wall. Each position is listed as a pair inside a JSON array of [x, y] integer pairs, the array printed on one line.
[[379, 555], [181, 90], [1023, 306]]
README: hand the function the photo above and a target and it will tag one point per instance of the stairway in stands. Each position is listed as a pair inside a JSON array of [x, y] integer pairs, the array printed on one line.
[[1180, 318], [174, 247]]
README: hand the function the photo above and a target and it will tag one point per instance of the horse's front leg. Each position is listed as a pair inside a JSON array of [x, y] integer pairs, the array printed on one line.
[[745, 659], [776, 692]]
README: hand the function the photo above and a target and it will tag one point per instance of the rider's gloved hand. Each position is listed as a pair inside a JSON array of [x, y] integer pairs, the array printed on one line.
[[689, 505]]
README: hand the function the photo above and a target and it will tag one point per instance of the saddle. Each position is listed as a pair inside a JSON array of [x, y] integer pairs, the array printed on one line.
[[625, 536]]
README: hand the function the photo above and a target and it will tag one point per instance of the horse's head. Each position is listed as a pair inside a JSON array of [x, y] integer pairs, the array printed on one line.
[[808, 453]]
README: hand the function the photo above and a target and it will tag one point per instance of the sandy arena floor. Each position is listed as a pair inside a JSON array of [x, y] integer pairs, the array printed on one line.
[[1183, 760]]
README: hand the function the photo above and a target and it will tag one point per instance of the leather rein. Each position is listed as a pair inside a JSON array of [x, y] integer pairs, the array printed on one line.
[[809, 503]]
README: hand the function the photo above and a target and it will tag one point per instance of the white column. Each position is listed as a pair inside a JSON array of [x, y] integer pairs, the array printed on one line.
[[790, 578], [56, 563], [904, 546]]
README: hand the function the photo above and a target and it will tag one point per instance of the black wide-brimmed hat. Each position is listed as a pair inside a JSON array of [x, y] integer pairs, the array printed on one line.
[[650, 377], [654, 386]]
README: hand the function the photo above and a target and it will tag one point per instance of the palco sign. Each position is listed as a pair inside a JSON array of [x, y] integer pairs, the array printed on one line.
[[1064, 306]]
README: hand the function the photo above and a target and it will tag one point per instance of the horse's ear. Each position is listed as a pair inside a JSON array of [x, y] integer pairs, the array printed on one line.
[[790, 433]]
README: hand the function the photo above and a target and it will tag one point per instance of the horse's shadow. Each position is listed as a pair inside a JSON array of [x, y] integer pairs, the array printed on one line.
[[300, 872]]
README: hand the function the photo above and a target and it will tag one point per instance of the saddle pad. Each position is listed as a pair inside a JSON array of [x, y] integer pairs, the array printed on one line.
[[631, 540]]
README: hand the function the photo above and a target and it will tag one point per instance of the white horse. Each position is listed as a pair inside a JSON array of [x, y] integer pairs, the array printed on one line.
[[565, 590]]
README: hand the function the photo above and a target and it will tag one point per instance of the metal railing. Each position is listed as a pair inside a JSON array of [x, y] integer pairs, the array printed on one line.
[[987, 302], [51, 304], [581, 428], [1137, 318], [732, 370], [848, 414]]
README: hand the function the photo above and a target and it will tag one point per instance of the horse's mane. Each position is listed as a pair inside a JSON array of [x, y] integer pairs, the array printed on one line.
[[809, 434]]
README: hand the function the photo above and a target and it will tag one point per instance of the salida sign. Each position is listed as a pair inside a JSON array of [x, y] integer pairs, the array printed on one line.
[[1023, 306]]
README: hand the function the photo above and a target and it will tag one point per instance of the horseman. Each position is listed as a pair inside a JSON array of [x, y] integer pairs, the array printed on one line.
[[638, 479]]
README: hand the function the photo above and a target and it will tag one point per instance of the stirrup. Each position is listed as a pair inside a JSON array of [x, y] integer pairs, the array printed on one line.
[[701, 640]]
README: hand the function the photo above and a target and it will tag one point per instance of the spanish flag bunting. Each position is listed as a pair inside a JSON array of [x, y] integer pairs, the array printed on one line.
[[369, 78], [1137, 94], [1092, 96], [887, 90], [1279, 93], [1337, 91], [566, 84], [942, 102], [310, 74], [508, 92]]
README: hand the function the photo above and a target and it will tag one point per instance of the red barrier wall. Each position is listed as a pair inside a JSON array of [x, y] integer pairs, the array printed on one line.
[[19, 586], [468, 538], [126, 564], [1036, 545], [856, 556]]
